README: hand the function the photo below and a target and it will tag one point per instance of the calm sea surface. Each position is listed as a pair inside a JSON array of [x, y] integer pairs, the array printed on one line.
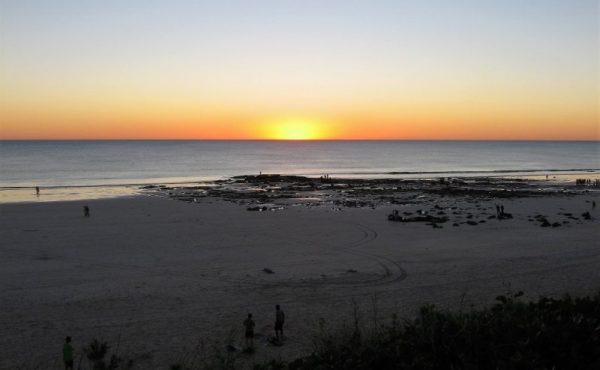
[[84, 163]]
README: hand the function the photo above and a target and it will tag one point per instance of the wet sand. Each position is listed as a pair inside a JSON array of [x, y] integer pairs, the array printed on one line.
[[166, 275]]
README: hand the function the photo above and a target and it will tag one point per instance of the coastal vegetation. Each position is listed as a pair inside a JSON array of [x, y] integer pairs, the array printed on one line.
[[546, 334], [549, 333]]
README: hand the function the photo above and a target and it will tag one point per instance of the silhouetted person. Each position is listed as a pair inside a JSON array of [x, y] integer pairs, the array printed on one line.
[[593, 204], [497, 210], [279, 320], [249, 325], [68, 354], [86, 211], [37, 191], [502, 210]]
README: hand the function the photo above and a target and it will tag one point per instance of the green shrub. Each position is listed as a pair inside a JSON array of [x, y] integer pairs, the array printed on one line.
[[547, 334]]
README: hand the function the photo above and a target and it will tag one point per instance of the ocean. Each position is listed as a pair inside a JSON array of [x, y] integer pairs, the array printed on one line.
[[25, 164]]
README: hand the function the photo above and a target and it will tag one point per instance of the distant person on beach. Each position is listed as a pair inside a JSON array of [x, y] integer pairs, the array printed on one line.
[[279, 320], [86, 211], [68, 354], [502, 210], [37, 191], [249, 325], [497, 210], [593, 204]]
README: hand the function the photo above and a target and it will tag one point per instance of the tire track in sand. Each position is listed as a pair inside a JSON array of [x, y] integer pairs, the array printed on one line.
[[391, 271]]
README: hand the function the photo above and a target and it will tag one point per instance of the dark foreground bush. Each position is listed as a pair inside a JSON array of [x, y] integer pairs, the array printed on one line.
[[547, 334], [97, 352]]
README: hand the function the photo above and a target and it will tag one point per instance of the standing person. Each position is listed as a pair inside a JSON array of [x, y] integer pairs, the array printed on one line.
[[86, 211], [68, 354], [279, 320], [249, 325], [37, 191]]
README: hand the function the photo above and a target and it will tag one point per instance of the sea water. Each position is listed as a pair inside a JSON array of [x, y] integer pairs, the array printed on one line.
[[26, 164]]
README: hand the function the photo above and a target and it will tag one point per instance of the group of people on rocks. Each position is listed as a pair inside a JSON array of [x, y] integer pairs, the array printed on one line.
[[499, 210], [500, 214], [587, 182]]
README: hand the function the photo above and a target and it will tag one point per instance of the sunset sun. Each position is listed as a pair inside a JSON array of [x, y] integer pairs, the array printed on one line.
[[295, 129]]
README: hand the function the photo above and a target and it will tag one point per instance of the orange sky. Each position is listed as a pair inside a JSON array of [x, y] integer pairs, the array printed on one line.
[[483, 118], [199, 70]]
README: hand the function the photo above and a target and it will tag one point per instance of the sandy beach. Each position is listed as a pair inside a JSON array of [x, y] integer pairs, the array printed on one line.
[[161, 277]]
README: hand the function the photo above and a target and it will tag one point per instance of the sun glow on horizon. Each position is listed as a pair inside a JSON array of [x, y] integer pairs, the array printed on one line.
[[295, 129]]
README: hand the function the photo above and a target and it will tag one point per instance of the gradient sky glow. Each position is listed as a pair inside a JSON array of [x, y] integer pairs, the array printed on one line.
[[116, 69]]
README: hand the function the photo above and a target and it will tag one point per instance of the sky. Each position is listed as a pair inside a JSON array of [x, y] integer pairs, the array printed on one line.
[[310, 69]]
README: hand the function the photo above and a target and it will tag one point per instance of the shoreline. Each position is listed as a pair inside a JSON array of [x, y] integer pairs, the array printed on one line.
[[357, 175], [26, 194]]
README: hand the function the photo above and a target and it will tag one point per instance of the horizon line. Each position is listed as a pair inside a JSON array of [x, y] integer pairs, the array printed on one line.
[[308, 140]]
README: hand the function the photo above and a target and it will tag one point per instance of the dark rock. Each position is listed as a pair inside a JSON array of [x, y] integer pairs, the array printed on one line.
[[426, 218], [257, 209], [267, 270]]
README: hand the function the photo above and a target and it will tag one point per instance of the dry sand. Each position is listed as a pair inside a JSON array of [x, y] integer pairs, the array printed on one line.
[[165, 275]]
